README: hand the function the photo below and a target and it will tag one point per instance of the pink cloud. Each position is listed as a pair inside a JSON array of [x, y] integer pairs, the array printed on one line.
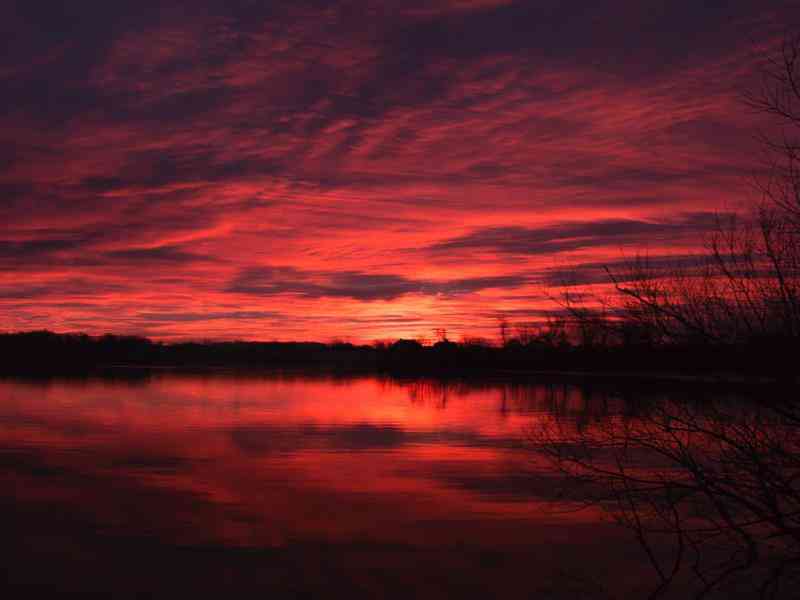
[[200, 147]]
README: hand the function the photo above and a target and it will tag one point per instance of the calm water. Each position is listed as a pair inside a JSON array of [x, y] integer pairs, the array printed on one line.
[[297, 485]]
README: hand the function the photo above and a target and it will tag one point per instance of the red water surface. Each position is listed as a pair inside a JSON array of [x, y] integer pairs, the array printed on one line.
[[353, 485]]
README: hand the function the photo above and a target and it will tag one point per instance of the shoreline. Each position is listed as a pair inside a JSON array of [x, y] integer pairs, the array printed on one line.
[[711, 378]]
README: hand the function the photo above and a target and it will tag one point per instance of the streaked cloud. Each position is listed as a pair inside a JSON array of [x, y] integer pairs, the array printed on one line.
[[359, 169]]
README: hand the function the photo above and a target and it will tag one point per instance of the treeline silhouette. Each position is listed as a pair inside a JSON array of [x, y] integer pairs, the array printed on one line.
[[49, 352], [553, 347]]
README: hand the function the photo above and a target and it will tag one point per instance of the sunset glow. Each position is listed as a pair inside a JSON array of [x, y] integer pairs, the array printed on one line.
[[369, 170]]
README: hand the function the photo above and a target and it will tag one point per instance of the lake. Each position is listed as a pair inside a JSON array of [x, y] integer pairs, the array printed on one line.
[[302, 486]]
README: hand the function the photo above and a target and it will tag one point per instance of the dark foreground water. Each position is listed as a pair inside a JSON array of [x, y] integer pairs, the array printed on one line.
[[300, 486]]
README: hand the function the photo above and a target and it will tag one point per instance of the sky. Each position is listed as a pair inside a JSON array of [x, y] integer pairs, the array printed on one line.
[[363, 169]]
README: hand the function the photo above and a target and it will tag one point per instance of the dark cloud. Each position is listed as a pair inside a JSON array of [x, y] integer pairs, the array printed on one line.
[[161, 254], [27, 250], [269, 281], [623, 37], [563, 237], [189, 317], [82, 250], [65, 288], [154, 170], [627, 269]]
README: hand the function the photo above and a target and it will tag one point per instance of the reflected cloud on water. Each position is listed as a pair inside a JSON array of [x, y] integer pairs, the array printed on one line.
[[279, 460]]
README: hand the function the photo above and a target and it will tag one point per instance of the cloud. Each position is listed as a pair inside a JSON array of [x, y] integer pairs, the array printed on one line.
[[364, 287], [27, 250], [61, 288], [562, 237], [161, 254], [188, 317], [622, 270], [399, 159]]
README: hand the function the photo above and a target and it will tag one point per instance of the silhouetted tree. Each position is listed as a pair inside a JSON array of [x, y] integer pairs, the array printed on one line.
[[743, 291], [710, 491]]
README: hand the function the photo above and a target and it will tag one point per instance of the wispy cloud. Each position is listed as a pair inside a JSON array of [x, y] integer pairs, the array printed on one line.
[[405, 164], [561, 237], [365, 287]]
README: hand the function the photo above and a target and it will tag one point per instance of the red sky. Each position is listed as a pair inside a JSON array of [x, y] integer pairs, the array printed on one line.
[[362, 169]]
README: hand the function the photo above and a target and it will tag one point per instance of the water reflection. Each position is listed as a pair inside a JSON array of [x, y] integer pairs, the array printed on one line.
[[709, 490], [348, 485]]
